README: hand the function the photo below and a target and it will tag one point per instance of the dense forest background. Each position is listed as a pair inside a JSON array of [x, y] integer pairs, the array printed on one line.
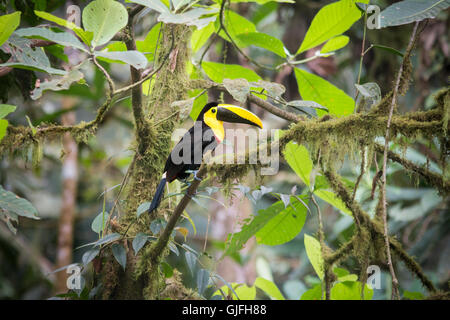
[[82, 183]]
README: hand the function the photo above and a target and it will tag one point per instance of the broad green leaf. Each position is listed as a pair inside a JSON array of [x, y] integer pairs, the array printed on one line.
[[315, 88], [202, 280], [332, 199], [408, 11], [131, 57], [104, 18], [167, 269], [297, 156], [332, 20], [12, 203], [238, 292], [269, 288], [314, 253], [58, 83], [191, 260], [200, 36], [334, 44], [199, 103], [89, 255], [120, 254], [413, 295], [6, 109], [235, 25], [143, 207], [350, 290], [153, 4], [262, 1], [8, 23], [219, 71], [107, 239], [85, 36], [314, 293], [343, 275], [389, 49], [3, 127], [237, 240], [99, 223], [26, 57], [199, 17], [149, 44], [284, 226], [139, 241], [62, 38], [262, 40]]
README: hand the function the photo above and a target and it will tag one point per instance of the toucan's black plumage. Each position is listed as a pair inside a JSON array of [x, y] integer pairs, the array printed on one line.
[[205, 135]]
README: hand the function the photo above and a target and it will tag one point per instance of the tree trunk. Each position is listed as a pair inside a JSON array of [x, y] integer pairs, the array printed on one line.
[[155, 122]]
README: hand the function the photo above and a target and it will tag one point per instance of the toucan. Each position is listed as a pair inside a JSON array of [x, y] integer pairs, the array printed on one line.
[[207, 132]]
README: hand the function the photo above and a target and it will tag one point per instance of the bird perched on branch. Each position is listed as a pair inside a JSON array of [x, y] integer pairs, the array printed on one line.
[[207, 132]]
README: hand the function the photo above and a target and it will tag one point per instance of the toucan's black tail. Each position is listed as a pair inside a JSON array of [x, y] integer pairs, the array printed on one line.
[[158, 195]]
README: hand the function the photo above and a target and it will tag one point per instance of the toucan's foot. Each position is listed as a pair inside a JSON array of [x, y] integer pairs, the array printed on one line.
[[195, 176]]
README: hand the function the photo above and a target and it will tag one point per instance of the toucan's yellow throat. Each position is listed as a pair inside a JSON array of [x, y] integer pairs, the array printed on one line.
[[217, 115]]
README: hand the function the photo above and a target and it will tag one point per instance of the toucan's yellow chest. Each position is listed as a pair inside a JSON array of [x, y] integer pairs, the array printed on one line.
[[216, 126]]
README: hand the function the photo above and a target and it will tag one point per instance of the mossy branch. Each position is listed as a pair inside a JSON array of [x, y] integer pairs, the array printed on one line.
[[159, 246]]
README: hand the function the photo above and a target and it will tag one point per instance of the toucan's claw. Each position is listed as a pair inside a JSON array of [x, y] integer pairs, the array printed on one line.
[[195, 176]]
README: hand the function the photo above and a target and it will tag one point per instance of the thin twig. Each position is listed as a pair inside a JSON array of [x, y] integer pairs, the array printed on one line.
[[395, 292]]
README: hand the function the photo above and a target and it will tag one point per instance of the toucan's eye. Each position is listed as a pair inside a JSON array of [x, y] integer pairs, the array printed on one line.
[[213, 110]]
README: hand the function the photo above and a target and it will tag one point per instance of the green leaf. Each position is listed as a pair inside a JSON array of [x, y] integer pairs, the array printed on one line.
[[263, 1], [8, 23], [350, 290], [200, 36], [143, 207], [219, 71], [262, 40], [314, 293], [314, 253], [85, 36], [199, 103], [191, 260], [284, 226], [3, 127], [332, 199], [57, 83], [99, 222], [153, 4], [297, 156], [269, 288], [89, 255], [26, 57], [389, 49], [235, 25], [199, 17], [6, 109], [413, 295], [167, 269], [10, 202], [148, 45], [238, 291], [131, 57], [120, 254], [139, 241], [104, 18], [315, 88], [334, 44], [62, 38], [408, 11], [107, 239], [332, 20], [202, 280]]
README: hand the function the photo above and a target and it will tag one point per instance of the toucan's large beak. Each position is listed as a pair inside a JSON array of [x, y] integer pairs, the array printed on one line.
[[231, 113]]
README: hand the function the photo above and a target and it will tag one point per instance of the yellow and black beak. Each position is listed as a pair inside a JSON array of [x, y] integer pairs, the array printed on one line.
[[231, 113]]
